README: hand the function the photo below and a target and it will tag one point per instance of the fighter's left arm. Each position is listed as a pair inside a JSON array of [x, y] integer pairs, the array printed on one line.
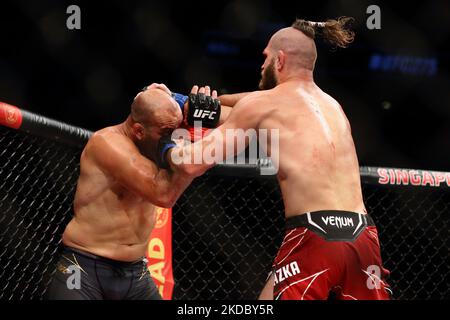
[[221, 143]]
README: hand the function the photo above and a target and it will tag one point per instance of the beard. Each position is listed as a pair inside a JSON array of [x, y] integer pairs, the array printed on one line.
[[268, 78]]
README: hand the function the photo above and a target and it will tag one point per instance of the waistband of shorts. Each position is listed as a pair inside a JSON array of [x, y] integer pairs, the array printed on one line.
[[92, 256], [303, 221]]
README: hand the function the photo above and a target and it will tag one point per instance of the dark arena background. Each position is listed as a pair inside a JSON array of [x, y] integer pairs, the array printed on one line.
[[393, 84]]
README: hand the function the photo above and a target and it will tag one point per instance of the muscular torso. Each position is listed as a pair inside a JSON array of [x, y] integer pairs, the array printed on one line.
[[109, 220], [318, 165]]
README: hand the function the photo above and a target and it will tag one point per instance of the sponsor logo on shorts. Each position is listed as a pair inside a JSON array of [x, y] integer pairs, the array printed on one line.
[[287, 271], [338, 222]]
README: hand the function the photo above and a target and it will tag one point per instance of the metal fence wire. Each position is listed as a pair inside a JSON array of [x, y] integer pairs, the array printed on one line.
[[226, 230]]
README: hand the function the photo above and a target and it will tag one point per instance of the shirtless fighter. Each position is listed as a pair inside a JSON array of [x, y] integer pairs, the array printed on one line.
[[114, 208], [331, 244]]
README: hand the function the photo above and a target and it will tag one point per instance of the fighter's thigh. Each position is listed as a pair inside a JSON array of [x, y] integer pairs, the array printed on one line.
[[302, 269], [267, 291], [367, 279], [65, 286], [144, 288], [305, 286]]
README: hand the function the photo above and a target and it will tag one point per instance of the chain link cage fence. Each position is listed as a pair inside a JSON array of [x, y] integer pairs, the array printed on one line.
[[38, 177], [226, 230]]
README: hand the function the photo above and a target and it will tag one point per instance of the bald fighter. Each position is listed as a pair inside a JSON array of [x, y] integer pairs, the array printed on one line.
[[331, 244], [119, 187]]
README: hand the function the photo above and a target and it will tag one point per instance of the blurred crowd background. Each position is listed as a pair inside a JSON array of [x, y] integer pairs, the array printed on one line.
[[393, 83]]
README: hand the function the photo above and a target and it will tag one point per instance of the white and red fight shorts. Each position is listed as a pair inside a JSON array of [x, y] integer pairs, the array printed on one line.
[[328, 254]]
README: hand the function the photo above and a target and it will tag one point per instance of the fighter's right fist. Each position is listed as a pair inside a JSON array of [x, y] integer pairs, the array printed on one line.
[[203, 107]]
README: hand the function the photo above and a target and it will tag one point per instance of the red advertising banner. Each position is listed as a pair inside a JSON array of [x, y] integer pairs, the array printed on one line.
[[159, 253]]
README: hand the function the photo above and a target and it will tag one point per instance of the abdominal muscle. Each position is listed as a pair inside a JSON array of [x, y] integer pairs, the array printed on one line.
[[113, 228]]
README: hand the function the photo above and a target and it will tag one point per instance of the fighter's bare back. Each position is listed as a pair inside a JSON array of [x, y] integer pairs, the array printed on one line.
[[318, 165]]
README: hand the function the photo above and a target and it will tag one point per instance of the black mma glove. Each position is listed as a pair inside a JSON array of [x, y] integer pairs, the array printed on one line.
[[205, 109]]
